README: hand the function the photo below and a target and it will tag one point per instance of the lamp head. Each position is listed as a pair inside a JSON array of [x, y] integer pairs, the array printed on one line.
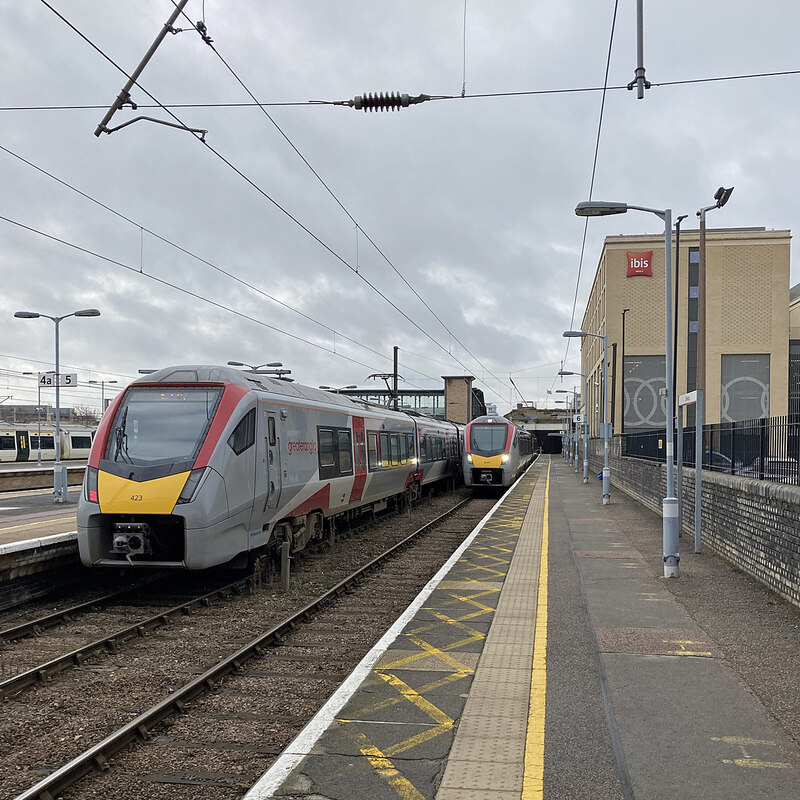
[[26, 314], [566, 372], [87, 312], [574, 334], [599, 208], [722, 195]]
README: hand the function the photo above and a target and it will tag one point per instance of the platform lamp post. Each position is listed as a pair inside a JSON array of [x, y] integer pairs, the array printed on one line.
[[38, 414], [574, 460], [585, 423], [102, 394], [59, 473], [721, 196], [565, 435], [606, 470], [669, 506]]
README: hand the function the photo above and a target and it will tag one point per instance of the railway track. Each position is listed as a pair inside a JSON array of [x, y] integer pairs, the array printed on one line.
[[260, 666]]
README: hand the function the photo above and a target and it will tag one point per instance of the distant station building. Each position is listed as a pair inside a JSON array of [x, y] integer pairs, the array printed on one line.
[[457, 401], [747, 337], [546, 424]]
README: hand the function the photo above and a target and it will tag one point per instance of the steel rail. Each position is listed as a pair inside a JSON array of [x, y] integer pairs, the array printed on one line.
[[35, 626], [97, 757], [107, 644]]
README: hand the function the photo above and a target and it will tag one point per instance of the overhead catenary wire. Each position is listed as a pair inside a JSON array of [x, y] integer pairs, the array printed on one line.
[[591, 182], [477, 96], [181, 289], [339, 202], [187, 252], [255, 186]]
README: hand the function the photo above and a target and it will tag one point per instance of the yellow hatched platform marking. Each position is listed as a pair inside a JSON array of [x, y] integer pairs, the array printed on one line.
[[384, 767], [747, 760], [381, 759], [428, 687], [533, 780]]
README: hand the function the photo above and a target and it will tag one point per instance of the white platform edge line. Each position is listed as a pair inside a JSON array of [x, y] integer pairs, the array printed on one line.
[[302, 744], [32, 544]]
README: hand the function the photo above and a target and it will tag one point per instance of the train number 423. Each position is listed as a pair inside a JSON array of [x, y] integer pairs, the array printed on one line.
[[136, 498]]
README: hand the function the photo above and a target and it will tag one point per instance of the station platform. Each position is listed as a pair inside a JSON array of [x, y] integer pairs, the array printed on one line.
[[550, 659]]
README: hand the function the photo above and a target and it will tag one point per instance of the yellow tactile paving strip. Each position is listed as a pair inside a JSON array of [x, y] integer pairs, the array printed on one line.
[[504, 713], [394, 736]]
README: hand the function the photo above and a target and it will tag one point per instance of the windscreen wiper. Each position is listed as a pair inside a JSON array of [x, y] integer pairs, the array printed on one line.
[[121, 440]]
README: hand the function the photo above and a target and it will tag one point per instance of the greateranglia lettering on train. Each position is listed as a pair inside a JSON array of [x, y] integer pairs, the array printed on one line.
[[197, 466]]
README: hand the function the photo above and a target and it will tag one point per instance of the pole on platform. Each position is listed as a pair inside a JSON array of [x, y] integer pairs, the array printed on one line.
[[698, 469]]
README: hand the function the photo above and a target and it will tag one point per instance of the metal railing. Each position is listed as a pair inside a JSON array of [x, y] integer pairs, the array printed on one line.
[[766, 448]]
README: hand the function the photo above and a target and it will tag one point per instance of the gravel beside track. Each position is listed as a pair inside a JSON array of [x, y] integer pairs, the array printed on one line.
[[231, 736]]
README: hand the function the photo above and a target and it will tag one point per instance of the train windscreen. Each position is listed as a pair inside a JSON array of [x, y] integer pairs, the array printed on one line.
[[161, 426], [488, 440]]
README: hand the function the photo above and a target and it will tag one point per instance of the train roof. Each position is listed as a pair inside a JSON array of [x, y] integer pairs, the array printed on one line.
[[490, 418], [249, 380]]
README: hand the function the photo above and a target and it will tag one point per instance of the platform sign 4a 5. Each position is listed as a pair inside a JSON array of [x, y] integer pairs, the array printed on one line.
[[62, 379]]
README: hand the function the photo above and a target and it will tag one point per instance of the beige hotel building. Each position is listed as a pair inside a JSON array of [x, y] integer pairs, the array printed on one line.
[[747, 327]]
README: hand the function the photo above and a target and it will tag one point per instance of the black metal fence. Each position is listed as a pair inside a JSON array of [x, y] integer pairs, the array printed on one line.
[[768, 449]]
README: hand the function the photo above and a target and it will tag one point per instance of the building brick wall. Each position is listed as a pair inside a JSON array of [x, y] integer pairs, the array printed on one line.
[[753, 524]]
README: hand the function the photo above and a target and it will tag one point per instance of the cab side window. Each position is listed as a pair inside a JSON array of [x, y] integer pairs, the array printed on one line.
[[244, 434]]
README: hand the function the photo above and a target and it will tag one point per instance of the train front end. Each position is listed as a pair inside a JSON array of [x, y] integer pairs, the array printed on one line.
[[150, 479], [489, 459]]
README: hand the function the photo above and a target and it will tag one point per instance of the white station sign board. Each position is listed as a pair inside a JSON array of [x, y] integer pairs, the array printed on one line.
[[62, 379], [688, 399]]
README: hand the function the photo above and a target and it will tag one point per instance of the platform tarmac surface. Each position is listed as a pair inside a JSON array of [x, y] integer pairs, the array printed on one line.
[[554, 661]]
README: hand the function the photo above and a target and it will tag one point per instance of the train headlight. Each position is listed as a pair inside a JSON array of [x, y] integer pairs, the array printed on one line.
[[505, 458], [469, 457], [190, 487], [90, 488]]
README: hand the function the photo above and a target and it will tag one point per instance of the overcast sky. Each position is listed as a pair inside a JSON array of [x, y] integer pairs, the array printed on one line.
[[469, 202]]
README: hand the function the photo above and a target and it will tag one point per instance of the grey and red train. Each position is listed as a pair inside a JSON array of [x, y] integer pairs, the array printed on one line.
[[198, 466]]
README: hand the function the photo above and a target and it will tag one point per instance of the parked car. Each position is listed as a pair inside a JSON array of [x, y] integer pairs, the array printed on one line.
[[781, 470], [718, 462]]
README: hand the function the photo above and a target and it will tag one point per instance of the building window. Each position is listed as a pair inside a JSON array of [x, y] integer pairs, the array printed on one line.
[[644, 408], [744, 390]]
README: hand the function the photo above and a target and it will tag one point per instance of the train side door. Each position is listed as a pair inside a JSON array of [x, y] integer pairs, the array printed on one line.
[[359, 459], [23, 445], [273, 465]]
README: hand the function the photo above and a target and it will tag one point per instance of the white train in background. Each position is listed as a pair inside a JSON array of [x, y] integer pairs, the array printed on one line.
[[23, 442]]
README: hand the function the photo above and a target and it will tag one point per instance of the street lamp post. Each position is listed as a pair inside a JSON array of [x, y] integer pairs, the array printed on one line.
[[606, 470], [566, 434], [669, 506], [721, 196], [102, 394], [59, 473], [584, 424], [573, 436]]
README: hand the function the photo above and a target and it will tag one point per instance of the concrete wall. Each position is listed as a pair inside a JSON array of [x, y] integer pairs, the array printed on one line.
[[753, 524]]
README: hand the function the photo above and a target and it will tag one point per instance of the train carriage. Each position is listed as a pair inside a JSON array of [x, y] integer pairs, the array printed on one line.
[[496, 452], [20, 442], [195, 466]]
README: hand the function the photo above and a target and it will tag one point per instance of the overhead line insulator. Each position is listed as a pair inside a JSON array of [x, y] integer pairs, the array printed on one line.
[[390, 101]]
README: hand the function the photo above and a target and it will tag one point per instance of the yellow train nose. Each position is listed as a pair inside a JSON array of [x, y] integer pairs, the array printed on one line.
[[123, 496]]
